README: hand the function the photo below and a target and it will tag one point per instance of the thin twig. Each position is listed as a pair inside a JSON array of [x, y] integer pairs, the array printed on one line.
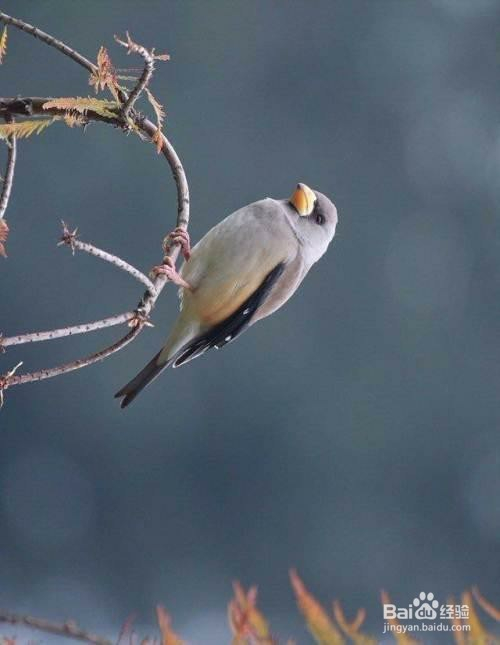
[[68, 629], [53, 334], [8, 179], [77, 364], [69, 239], [48, 40], [144, 79], [4, 381]]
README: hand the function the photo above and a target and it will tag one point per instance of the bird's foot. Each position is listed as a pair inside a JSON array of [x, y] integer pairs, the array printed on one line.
[[168, 269], [179, 236]]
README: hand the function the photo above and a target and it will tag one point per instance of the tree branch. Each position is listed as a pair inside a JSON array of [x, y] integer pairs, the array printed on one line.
[[53, 334], [139, 318], [8, 381], [132, 317], [144, 79], [69, 239], [68, 629], [34, 106], [48, 40], [8, 179]]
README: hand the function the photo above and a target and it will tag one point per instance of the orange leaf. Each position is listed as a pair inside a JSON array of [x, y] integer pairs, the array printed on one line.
[[320, 625], [401, 639], [157, 139], [486, 605], [74, 120], [126, 634], [458, 635], [246, 622], [477, 633], [168, 636], [352, 628], [160, 115], [82, 105], [105, 74]]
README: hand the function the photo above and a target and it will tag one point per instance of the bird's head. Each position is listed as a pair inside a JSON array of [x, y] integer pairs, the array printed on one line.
[[314, 218]]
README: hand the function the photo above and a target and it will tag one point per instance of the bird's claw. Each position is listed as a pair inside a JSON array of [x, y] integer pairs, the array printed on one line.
[[179, 236], [140, 319], [170, 272]]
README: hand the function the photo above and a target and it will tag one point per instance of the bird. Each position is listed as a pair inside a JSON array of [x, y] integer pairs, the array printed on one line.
[[244, 269]]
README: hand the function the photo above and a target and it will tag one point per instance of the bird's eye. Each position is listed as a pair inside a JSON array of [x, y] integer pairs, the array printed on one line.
[[320, 218]]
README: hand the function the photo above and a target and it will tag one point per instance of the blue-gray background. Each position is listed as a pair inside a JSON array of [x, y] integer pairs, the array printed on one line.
[[354, 435]]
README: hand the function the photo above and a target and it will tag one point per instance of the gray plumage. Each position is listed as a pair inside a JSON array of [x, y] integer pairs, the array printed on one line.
[[234, 277]]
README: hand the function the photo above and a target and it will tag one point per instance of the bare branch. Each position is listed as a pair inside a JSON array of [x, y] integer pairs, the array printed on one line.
[[8, 179], [48, 40], [40, 375], [67, 630], [147, 73], [63, 332], [4, 381], [69, 239], [179, 176], [8, 182]]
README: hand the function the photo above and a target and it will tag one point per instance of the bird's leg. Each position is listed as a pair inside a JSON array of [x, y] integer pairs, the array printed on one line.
[[168, 269], [178, 236], [181, 236]]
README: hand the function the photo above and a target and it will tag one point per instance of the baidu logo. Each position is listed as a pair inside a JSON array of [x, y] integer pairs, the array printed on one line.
[[425, 606]]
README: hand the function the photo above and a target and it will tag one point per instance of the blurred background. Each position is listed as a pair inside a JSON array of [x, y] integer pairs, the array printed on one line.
[[354, 435]]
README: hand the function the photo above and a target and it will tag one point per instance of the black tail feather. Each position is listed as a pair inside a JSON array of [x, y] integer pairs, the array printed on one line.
[[218, 336], [139, 382]]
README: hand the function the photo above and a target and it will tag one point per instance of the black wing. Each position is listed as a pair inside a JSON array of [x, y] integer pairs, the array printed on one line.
[[227, 330]]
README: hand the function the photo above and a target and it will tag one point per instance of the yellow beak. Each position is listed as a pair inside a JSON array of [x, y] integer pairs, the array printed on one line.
[[303, 200]]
